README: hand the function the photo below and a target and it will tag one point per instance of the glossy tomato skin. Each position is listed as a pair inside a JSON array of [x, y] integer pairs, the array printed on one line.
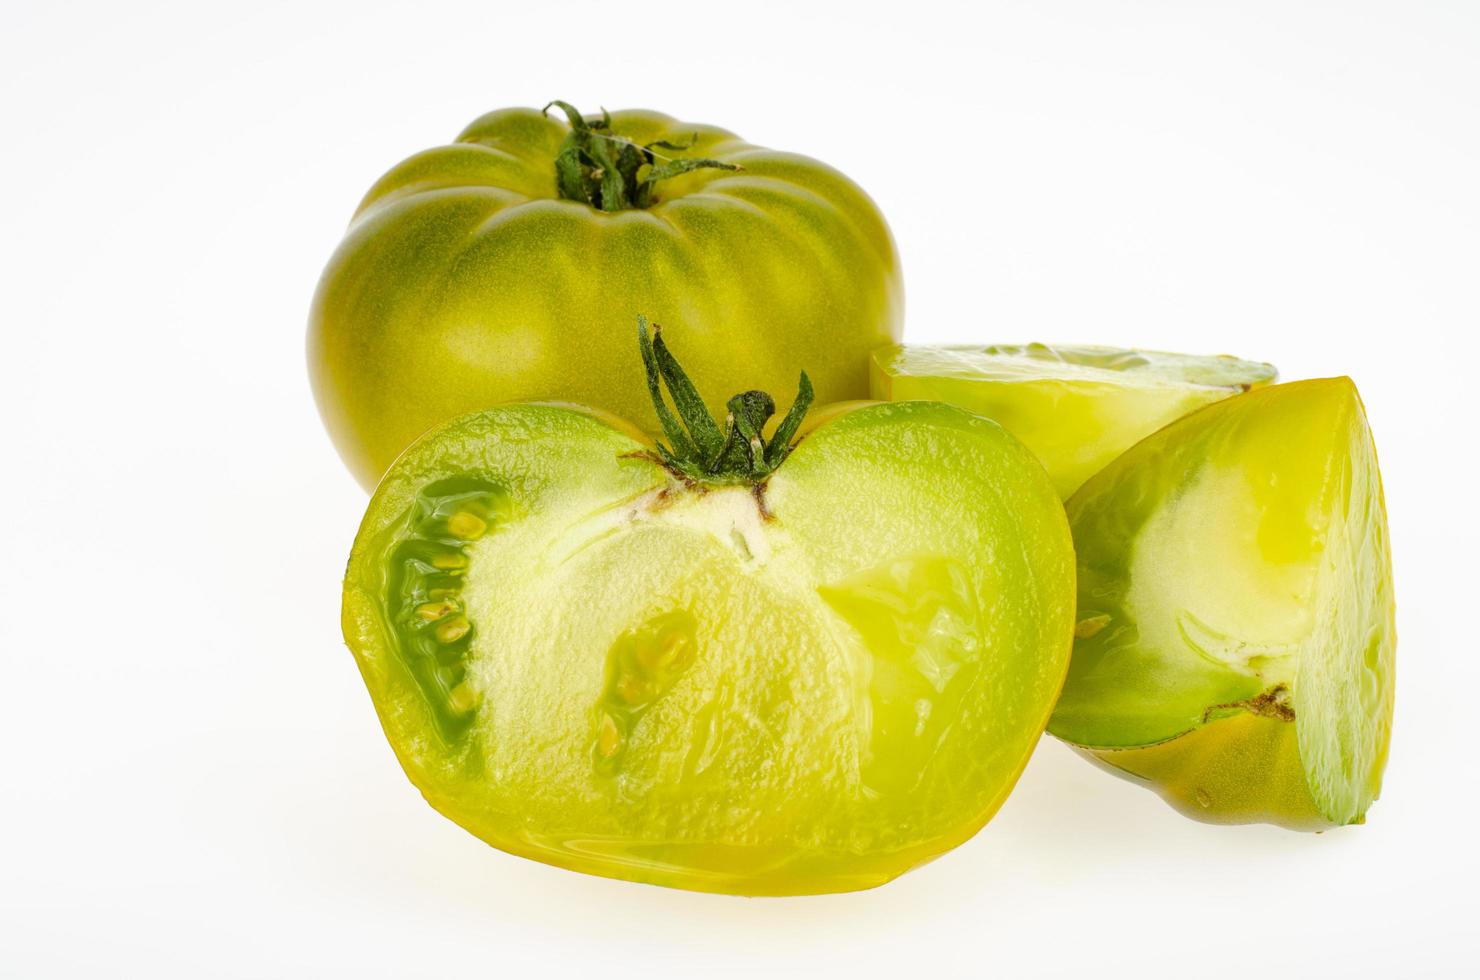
[[464, 281]]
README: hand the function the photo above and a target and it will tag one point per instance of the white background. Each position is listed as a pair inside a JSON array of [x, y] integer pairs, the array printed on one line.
[[194, 783]]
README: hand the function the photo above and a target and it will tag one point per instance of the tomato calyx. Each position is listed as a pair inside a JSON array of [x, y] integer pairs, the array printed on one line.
[[698, 450], [599, 168]]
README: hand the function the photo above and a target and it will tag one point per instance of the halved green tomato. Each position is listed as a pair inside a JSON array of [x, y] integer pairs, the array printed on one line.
[[807, 685], [1235, 639], [1076, 408]]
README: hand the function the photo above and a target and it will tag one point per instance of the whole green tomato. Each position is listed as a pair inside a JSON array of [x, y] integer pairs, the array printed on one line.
[[508, 266]]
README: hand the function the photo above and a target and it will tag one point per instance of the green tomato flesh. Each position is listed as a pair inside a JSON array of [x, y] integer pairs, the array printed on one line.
[[1076, 408], [810, 687], [464, 281], [1236, 641]]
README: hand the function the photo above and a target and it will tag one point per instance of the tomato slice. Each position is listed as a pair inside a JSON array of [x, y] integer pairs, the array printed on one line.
[[1077, 408], [810, 684]]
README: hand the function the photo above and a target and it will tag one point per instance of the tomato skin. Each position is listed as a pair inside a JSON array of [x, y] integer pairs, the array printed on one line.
[[464, 281]]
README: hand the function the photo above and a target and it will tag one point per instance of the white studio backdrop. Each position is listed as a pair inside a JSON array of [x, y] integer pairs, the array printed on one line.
[[194, 781]]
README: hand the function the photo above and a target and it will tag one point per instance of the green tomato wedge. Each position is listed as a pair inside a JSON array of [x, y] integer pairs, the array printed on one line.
[[811, 682], [1076, 408], [1235, 642]]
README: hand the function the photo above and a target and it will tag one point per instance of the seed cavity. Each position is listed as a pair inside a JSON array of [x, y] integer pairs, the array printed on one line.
[[642, 665], [919, 622], [426, 565]]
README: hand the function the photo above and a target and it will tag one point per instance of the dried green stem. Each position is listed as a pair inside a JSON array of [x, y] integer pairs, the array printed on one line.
[[612, 173], [698, 449]]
